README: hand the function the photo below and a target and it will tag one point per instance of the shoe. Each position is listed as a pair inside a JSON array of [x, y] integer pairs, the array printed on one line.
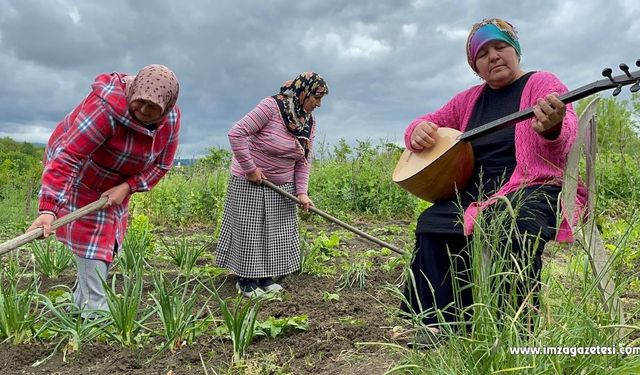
[[426, 339], [249, 288], [268, 285]]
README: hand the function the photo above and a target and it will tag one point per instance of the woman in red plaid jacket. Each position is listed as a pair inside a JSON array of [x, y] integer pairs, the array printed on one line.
[[121, 139]]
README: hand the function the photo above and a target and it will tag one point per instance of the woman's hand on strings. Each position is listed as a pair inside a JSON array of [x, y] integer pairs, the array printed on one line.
[[549, 114]]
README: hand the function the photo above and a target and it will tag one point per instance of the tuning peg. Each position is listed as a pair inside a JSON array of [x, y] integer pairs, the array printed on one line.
[[625, 68], [606, 72], [635, 87], [617, 90]]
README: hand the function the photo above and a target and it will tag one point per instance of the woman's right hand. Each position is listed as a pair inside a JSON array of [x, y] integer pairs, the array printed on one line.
[[43, 221], [256, 176], [424, 136]]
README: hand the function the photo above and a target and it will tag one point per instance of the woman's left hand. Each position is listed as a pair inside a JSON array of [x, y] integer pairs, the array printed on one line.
[[116, 194], [549, 114], [305, 202]]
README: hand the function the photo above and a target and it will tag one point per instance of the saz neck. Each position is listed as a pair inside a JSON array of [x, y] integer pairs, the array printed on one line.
[[566, 98]]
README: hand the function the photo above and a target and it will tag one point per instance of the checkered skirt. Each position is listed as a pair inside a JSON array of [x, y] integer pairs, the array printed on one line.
[[259, 235]]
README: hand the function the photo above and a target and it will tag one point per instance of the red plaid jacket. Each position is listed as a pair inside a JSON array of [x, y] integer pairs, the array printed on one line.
[[96, 147]]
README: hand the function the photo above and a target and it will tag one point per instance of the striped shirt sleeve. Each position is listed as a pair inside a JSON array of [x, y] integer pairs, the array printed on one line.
[[250, 124]]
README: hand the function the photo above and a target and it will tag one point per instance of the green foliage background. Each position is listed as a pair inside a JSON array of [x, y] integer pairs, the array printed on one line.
[[349, 182], [20, 170]]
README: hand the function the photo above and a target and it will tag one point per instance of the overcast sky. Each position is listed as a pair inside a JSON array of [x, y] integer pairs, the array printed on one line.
[[386, 62]]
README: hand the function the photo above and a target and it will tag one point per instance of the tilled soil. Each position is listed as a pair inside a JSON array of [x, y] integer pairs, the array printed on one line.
[[346, 336]]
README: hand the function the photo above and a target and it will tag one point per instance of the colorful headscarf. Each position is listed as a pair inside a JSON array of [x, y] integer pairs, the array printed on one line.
[[155, 83], [291, 99], [489, 30]]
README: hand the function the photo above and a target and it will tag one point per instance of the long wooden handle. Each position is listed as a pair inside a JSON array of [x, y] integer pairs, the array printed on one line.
[[37, 233], [334, 220]]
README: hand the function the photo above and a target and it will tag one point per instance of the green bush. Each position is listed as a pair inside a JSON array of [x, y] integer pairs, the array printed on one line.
[[20, 171], [618, 176], [357, 181], [190, 195]]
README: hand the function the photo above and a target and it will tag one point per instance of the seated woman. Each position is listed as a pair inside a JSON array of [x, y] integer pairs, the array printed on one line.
[[523, 162]]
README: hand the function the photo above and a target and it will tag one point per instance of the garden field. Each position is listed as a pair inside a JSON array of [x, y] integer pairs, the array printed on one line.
[[315, 326], [172, 311]]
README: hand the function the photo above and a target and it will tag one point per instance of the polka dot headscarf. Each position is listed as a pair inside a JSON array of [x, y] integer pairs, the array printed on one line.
[[157, 84]]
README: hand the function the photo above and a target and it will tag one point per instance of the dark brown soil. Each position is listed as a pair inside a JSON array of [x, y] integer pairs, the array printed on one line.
[[333, 343]]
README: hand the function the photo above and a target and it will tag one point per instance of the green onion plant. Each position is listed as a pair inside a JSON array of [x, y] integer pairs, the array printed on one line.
[[175, 306], [185, 254], [68, 326], [239, 320], [16, 316], [51, 257]]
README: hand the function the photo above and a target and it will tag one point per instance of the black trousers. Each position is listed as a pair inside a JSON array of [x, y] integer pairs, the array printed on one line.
[[441, 267]]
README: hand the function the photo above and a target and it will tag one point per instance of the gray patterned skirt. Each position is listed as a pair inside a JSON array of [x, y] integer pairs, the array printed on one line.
[[259, 234]]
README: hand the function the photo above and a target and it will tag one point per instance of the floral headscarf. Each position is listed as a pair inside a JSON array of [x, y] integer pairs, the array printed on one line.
[[155, 83], [291, 99], [486, 31]]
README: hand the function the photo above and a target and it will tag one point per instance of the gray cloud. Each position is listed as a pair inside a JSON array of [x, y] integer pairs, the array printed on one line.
[[386, 61]]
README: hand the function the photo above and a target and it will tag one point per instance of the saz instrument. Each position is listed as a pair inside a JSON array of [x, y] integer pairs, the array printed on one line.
[[436, 173]]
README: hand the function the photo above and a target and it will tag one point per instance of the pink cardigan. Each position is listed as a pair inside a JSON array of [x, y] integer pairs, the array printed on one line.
[[260, 139], [539, 160]]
